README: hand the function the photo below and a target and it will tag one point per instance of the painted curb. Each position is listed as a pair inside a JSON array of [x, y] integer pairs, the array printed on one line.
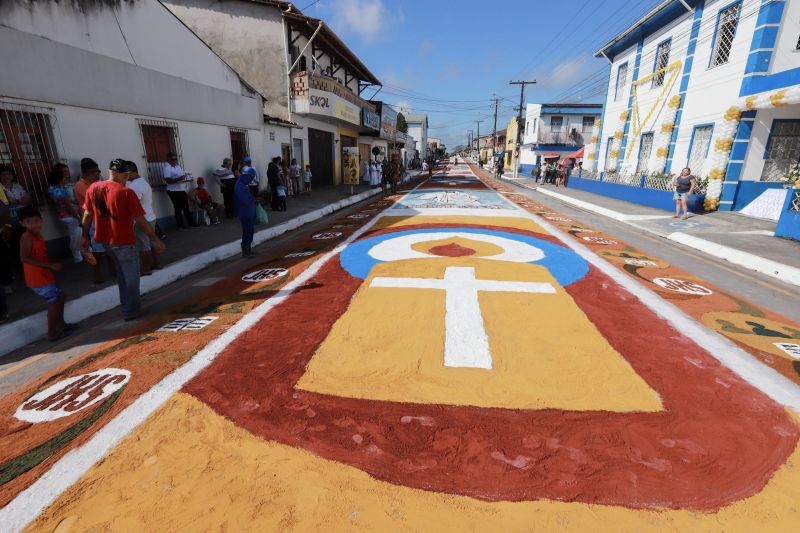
[[762, 265], [31, 328], [786, 273]]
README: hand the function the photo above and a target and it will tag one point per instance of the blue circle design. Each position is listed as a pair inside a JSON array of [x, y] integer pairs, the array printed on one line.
[[564, 264]]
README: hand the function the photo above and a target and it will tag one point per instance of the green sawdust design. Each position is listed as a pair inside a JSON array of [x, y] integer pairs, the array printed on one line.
[[19, 465], [744, 307]]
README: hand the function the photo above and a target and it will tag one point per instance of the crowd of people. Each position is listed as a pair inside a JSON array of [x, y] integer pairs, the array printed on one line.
[[111, 223]]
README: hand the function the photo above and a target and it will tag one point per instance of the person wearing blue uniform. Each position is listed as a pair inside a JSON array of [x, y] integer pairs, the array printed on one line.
[[246, 209]]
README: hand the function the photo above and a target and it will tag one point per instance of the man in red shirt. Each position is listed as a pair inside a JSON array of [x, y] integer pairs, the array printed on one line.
[[114, 209]]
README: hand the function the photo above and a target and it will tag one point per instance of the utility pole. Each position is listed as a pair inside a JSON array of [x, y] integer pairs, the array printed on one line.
[[494, 128], [478, 122], [517, 144]]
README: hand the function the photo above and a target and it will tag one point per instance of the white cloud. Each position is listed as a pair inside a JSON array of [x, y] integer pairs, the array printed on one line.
[[403, 107], [365, 19], [567, 72]]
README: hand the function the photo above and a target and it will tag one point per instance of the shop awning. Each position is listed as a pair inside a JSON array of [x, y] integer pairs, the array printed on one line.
[[576, 155], [551, 155]]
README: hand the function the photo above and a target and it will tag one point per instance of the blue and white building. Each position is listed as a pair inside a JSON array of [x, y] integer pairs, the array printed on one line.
[[555, 128], [709, 84]]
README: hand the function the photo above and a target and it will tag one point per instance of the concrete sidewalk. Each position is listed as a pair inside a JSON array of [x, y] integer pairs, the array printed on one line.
[[188, 251], [741, 240]]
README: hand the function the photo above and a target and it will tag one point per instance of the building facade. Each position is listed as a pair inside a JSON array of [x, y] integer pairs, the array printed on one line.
[[108, 80], [418, 128], [310, 78], [555, 129], [713, 85]]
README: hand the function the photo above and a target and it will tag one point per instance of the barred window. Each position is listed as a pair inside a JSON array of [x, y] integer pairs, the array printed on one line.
[[622, 75], [699, 149], [783, 149], [662, 60], [727, 21], [556, 123], [645, 149], [28, 145], [588, 125], [159, 137]]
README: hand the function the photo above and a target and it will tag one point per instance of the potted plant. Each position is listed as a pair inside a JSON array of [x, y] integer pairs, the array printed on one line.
[[792, 178]]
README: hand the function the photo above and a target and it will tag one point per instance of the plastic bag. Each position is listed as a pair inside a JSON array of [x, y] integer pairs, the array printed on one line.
[[261, 215]]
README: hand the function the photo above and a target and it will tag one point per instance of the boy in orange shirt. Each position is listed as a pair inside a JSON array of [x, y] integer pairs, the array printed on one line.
[[39, 272]]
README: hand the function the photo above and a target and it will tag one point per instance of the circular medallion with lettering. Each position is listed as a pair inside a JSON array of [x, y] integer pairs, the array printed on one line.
[[72, 394]]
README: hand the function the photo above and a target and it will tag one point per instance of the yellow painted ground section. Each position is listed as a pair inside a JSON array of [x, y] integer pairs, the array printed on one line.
[[456, 220], [188, 469], [546, 353]]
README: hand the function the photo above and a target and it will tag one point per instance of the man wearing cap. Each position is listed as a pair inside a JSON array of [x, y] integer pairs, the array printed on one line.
[[249, 169], [114, 209]]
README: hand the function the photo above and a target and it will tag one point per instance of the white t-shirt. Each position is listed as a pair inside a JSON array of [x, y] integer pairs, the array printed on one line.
[[174, 172], [307, 176], [145, 195]]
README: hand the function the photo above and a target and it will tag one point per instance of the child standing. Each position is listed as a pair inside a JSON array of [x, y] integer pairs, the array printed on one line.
[[39, 272], [307, 179]]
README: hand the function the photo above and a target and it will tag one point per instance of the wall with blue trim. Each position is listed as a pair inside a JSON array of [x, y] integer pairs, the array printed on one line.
[[750, 190], [637, 195], [789, 223]]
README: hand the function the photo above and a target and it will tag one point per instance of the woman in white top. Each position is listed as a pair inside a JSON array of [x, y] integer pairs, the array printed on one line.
[[176, 180], [294, 175]]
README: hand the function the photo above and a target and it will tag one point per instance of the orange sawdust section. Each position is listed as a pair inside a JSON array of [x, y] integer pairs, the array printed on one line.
[[189, 469], [532, 367], [756, 330]]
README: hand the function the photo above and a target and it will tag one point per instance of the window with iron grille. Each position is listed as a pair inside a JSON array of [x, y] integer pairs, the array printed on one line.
[[622, 77], [588, 125], [783, 149], [645, 149], [239, 145], [727, 21], [698, 152], [28, 144], [159, 137], [556, 123], [662, 60]]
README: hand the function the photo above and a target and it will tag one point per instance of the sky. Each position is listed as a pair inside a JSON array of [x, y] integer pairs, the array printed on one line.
[[448, 63]]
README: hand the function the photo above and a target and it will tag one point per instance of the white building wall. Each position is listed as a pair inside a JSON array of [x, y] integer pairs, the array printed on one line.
[[141, 33], [786, 55], [713, 90], [710, 92], [419, 131], [615, 106]]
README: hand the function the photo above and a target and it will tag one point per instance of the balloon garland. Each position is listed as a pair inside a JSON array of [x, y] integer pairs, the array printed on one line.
[[591, 150]]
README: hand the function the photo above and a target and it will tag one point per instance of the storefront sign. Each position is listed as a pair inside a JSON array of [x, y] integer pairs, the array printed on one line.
[[329, 105], [388, 122], [370, 119]]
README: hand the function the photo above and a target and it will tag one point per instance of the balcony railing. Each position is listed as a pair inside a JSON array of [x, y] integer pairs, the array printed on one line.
[[301, 82], [568, 138]]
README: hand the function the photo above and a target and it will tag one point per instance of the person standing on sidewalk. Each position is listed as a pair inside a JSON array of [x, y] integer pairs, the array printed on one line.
[[176, 180], [227, 182], [148, 258], [67, 211], [90, 173], [39, 272], [115, 208], [683, 186], [246, 209], [273, 180], [255, 179]]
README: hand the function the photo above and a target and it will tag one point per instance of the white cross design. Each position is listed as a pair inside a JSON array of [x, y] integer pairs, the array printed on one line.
[[466, 343]]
